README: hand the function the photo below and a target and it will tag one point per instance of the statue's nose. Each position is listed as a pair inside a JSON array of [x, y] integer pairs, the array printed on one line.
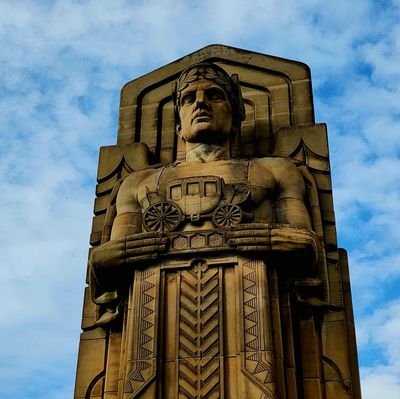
[[200, 96], [201, 99]]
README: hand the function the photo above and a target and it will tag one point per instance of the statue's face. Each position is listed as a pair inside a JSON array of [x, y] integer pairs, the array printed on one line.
[[205, 113]]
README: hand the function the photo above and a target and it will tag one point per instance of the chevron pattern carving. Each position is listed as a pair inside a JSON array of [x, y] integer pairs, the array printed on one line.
[[145, 304], [250, 307], [258, 361], [200, 333]]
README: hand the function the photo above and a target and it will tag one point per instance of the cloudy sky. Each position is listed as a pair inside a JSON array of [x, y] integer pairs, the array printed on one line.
[[63, 63]]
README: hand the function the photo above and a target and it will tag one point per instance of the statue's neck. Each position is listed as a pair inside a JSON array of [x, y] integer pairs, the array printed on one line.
[[207, 152]]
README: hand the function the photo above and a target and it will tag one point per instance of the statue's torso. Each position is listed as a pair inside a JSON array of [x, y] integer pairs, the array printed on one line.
[[224, 291], [198, 189]]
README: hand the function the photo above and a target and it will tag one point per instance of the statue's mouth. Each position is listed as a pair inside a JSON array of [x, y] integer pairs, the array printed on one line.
[[202, 117]]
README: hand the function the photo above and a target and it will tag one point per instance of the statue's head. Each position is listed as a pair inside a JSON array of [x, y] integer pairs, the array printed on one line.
[[208, 104]]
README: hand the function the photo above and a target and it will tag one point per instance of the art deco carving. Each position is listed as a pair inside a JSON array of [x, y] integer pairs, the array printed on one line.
[[215, 271]]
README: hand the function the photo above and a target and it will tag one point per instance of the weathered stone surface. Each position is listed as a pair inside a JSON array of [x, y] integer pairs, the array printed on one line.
[[215, 270]]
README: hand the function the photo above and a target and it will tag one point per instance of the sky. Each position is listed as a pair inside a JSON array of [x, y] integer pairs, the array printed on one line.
[[63, 63]]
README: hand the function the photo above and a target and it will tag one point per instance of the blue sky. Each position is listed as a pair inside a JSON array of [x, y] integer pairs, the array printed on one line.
[[63, 63]]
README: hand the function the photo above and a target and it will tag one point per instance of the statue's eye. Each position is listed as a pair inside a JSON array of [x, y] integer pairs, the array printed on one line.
[[215, 94], [188, 98]]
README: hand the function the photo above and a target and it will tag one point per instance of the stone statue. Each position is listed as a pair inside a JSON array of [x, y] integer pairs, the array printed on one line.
[[201, 257]]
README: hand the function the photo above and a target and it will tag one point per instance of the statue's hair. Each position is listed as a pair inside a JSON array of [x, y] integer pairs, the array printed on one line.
[[213, 73]]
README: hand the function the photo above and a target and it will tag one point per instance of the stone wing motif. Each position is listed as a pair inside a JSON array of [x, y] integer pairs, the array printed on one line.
[[308, 147]]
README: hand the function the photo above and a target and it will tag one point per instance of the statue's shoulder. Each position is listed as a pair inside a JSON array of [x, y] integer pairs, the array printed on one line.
[[284, 170], [138, 177], [274, 162], [145, 172]]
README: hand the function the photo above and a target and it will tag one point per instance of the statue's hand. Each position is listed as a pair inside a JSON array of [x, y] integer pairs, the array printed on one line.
[[274, 238], [286, 238], [251, 237], [132, 249]]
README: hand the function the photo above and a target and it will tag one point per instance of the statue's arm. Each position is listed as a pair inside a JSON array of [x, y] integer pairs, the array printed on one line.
[[291, 231], [289, 203], [128, 244]]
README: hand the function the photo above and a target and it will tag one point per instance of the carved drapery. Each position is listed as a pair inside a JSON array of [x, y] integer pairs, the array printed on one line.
[[205, 329]]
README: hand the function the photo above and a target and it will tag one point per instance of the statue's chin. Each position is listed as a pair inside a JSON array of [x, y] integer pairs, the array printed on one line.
[[206, 132]]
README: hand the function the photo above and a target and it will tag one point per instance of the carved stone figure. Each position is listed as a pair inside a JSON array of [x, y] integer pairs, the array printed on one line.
[[211, 275]]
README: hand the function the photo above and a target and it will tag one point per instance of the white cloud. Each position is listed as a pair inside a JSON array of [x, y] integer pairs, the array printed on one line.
[[382, 328], [381, 383]]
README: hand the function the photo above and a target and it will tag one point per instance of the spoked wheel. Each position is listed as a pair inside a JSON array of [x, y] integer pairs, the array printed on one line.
[[162, 216], [227, 216]]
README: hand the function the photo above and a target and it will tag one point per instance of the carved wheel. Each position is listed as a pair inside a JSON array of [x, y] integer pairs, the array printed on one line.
[[227, 216], [162, 216]]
